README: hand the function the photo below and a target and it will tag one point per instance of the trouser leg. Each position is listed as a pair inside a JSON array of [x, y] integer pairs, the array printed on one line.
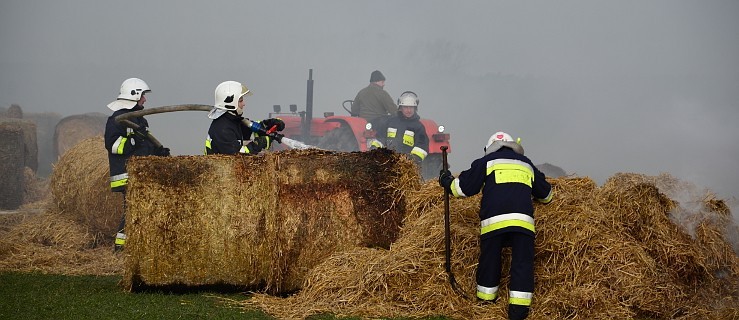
[[120, 237], [488, 268], [522, 275]]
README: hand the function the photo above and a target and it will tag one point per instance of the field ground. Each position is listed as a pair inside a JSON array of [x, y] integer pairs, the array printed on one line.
[[41, 296]]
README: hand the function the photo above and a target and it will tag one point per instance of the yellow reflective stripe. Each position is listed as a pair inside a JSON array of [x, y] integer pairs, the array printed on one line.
[[207, 144], [548, 197], [244, 149], [120, 241], [507, 220], [376, 143], [391, 132], [520, 298], [408, 138], [487, 293], [511, 171], [456, 189], [119, 180], [419, 152], [118, 145]]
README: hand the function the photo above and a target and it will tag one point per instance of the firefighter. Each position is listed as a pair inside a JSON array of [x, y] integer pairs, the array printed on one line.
[[508, 180], [227, 133], [373, 101], [123, 142], [404, 133]]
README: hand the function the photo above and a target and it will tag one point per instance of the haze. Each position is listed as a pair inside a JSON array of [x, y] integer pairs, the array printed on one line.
[[595, 87]]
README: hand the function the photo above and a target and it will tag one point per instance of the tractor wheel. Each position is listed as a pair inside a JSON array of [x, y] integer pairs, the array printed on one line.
[[431, 166], [339, 139]]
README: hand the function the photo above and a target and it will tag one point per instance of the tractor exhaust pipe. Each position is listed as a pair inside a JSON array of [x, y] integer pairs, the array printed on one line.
[[308, 107]]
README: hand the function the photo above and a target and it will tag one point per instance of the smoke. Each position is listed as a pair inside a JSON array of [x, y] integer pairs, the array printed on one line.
[[694, 207]]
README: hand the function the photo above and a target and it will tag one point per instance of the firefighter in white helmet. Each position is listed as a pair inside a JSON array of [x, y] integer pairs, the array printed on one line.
[[403, 133], [508, 181], [123, 142], [227, 133]]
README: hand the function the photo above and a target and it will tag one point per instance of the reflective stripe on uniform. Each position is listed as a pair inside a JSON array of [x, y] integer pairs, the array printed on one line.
[[419, 152], [207, 144], [487, 293], [520, 298], [511, 171], [391, 132], [244, 149], [409, 138], [456, 189], [507, 220], [119, 180], [118, 145], [120, 239], [548, 198]]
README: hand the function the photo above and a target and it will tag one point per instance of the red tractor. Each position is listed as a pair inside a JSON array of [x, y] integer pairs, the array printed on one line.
[[350, 133]]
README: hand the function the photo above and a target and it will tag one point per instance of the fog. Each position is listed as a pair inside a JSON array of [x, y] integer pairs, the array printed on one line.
[[595, 87]]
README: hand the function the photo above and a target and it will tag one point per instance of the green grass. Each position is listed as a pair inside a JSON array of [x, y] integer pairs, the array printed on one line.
[[39, 296]]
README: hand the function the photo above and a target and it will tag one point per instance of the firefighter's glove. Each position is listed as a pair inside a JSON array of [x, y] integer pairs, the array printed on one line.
[[263, 142], [277, 136], [445, 179], [273, 122], [161, 151]]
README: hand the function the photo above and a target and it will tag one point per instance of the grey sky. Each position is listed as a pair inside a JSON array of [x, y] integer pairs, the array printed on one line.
[[595, 87]]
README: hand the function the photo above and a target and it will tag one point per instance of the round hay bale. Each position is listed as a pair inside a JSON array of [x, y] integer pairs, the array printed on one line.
[[30, 147], [11, 165], [80, 187], [73, 129], [14, 112]]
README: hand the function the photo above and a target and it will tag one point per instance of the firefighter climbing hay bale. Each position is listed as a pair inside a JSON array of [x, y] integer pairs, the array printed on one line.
[[612, 252], [258, 221], [80, 187]]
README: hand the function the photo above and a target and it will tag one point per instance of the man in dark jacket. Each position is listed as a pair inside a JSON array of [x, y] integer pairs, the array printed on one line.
[[123, 142], [508, 180], [404, 133], [227, 133], [373, 101]]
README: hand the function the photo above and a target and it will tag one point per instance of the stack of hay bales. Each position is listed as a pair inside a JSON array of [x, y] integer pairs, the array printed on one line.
[[72, 129], [45, 124], [259, 222], [80, 188], [12, 163], [601, 253]]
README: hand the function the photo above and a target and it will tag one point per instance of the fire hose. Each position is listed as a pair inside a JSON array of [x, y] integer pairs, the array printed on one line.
[[254, 126]]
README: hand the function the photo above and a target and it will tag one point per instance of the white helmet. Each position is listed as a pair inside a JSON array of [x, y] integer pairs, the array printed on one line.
[[408, 98], [228, 94], [502, 139], [131, 91]]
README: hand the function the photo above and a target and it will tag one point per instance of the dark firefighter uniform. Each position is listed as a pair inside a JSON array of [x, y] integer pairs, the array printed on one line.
[[122, 143], [508, 180], [227, 134], [404, 135]]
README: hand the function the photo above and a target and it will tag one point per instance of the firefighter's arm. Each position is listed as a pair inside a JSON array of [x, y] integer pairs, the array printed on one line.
[[470, 181], [541, 190], [421, 147]]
